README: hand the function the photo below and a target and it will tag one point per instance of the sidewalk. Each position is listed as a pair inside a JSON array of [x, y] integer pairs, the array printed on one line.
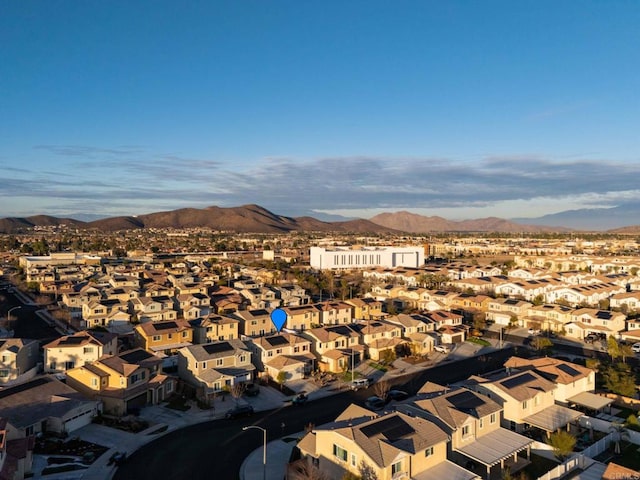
[[278, 454]]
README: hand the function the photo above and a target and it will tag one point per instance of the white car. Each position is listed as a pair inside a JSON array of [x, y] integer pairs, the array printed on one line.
[[441, 348], [636, 347]]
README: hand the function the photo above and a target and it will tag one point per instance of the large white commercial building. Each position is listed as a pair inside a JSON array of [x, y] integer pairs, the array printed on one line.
[[364, 257]]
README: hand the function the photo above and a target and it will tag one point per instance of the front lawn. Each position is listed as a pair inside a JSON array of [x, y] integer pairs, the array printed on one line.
[[479, 341]]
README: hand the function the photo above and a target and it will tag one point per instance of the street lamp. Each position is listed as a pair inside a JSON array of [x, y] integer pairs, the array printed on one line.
[[9, 315], [264, 448]]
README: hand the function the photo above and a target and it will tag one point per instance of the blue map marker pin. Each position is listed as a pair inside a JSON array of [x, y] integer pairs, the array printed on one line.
[[278, 318]]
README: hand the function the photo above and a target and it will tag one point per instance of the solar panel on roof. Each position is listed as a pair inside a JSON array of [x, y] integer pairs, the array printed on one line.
[[72, 340], [340, 330], [165, 325], [277, 340], [23, 386], [568, 370], [217, 347], [518, 380], [392, 428], [465, 400], [258, 312], [604, 315], [135, 356]]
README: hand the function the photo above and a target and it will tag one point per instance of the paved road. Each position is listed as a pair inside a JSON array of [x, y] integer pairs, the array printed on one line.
[[216, 449], [24, 321]]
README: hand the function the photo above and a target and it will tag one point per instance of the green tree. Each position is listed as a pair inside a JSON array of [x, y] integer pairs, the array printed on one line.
[[281, 378], [541, 343], [613, 348], [618, 379], [562, 443]]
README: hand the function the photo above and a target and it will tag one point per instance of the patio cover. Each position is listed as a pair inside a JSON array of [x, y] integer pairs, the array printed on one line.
[[590, 400], [553, 418], [445, 469], [492, 448]]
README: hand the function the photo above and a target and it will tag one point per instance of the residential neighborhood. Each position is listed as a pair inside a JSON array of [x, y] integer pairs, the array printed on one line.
[[165, 329]]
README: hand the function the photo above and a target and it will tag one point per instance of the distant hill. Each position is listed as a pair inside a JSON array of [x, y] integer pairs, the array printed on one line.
[[414, 223], [17, 224], [591, 219], [244, 219]]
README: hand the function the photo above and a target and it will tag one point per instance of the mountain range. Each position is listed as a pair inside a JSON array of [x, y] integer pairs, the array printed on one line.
[[256, 219]]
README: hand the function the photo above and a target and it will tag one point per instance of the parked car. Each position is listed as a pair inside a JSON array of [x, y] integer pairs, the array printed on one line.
[[299, 399], [592, 337], [374, 403], [441, 348], [636, 347], [533, 331], [359, 383], [397, 395], [239, 411], [252, 390]]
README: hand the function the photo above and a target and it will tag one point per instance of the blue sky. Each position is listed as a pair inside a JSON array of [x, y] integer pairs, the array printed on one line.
[[464, 109]]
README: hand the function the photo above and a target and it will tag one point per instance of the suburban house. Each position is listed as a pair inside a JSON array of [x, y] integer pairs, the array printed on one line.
[[379, 336], [154, 309], [302, 318], [123, 382], [448, 325], [164, 338], [216, 366], [418, 330], [214, 327], [45, 404], [261, 298], [336, 347], [590, 320], [472, 421], [104, 312], [18, 359], [502, 310], [193, 305], [334, 312], [16, 452], [527, 400], [254, 323], [393, 446], [547, 317], [575, 383], [628, 301], [74, 350], [283, 352], [366, 308]]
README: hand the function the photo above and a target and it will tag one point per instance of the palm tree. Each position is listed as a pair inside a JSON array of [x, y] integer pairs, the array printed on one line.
[[620, 433]]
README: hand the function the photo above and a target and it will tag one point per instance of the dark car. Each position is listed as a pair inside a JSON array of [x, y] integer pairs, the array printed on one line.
[[252, 390], [397, 395], [239, 411], [374, 403], [299, 399]]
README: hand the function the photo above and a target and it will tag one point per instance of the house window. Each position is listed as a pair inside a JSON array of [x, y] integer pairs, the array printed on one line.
[[354, 460], [492, 418], [219, 362], [396, 468], [465, 430], [69, 365], [243, 358], [94, 382], [339, 452], [170, 336], [4, 373], [204, 364], [481, 423], [52, 365], [156, 338], [184, 334], [525, 404], [88, 350], [169, 387], [428, 452]]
